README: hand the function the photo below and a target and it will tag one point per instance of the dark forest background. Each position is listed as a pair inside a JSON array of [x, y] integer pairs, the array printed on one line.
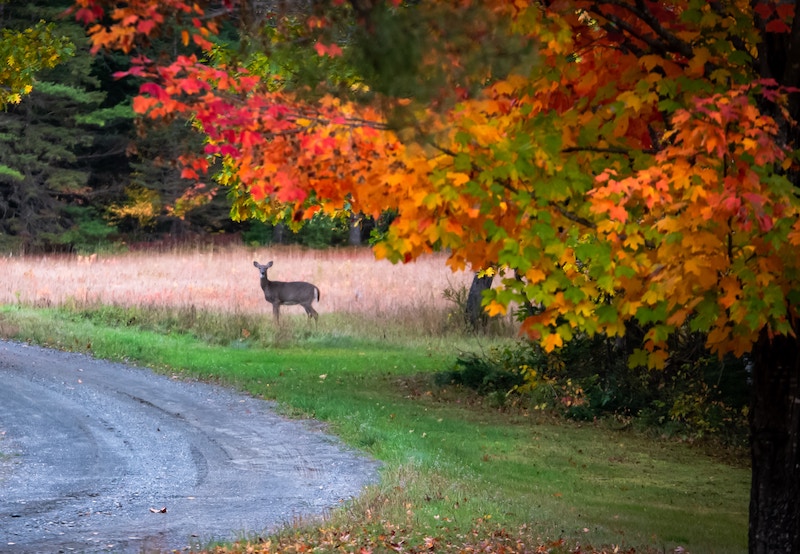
[[78, 172]]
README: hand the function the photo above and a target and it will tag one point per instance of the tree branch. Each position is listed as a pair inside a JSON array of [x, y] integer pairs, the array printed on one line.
[[572, 217], [675, 44], [606, 150], [669, 42], [615, 24], [618, 24]]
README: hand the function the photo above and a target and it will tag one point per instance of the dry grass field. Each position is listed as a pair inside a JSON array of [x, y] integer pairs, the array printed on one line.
[[223, 281]]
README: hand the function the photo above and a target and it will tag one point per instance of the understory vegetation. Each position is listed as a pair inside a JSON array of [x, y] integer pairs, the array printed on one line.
[[488, 444], [698, 396]]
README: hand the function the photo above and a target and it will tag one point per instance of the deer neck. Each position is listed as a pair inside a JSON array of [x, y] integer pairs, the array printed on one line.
[[266, 286]]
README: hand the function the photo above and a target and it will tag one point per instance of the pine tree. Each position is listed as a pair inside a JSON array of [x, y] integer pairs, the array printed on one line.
[[54, 145]]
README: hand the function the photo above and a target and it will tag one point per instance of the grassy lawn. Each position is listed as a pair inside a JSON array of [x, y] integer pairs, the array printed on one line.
[[459, 474]]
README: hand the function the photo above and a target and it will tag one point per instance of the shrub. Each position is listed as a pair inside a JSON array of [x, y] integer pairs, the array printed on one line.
[[696, 395], [485, 374]]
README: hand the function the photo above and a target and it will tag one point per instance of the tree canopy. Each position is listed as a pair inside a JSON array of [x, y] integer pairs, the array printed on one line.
[[634, 152], [614, 160]]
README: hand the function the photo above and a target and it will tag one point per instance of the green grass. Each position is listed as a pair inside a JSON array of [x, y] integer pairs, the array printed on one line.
[[451, 462]]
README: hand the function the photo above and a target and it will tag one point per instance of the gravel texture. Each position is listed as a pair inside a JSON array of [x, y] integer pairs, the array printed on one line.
[[103, 457]]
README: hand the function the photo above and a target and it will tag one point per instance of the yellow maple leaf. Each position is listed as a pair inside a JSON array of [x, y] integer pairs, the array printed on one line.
[[634, 241], [457, 178], [692, 265], [486, 134], [495, 308], [380, 251], [615, 328], [651, 61], [629, 308], [489, 107], [631, 100], [651, 297], [503, 87]]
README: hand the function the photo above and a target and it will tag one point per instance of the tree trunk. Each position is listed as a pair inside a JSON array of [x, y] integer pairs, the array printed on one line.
[[354, 236], [279, 234], [476, 317], [775, 432]]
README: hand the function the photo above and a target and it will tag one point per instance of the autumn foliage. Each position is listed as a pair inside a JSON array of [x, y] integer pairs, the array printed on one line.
[[26, 52], [637, 174], [616, 161]]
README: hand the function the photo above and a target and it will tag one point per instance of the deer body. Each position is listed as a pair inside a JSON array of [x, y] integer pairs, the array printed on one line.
[[280, 293]]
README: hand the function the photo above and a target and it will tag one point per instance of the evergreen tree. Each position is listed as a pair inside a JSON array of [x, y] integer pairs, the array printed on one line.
[[61, 147], [157, 202]]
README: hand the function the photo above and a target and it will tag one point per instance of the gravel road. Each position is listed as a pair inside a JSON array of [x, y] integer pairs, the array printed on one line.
[[91, 451]]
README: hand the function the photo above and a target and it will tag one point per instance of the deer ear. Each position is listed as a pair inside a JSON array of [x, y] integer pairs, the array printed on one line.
[[269, 265], [255, 264]]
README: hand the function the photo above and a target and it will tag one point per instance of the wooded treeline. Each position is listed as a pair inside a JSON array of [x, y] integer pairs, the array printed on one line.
[[78, 172]]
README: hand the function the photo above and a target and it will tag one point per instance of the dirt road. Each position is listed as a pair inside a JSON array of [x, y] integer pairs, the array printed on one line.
[[91, 451]]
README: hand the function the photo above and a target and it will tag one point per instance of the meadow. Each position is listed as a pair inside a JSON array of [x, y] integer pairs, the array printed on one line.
[[215, 291], [223, 279], [460, 473]]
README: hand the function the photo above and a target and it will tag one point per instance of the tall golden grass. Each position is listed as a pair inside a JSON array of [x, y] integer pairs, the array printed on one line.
[[222, 280]]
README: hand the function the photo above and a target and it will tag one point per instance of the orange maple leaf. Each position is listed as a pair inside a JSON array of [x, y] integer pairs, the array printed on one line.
[[552, 341]]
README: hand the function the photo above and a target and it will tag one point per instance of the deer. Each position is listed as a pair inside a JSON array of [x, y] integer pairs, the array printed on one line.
[[280, 293]]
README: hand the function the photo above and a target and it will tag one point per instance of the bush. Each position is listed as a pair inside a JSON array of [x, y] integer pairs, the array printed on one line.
[[483, 374], [696, 395]]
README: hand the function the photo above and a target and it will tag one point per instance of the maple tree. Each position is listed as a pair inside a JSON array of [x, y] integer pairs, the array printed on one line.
[[614, 160]]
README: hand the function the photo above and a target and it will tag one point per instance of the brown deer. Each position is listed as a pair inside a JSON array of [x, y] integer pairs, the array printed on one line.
[[280, 293]]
